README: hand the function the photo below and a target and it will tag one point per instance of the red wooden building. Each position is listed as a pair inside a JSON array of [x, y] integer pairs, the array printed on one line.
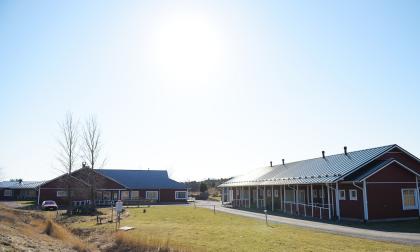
[[130, 186], [374, 184]]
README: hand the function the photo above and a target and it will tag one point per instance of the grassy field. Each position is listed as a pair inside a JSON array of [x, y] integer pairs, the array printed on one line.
[[200, 230]]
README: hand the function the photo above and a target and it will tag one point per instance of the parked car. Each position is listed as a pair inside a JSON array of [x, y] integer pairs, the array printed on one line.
[[49, 205]]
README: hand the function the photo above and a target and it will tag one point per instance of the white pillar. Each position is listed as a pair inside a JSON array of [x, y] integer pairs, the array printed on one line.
[[312, 200], [272, 198], [329, 204], [417, 192], [39, 194], [365, 201], [322, 191], [258, 204], [265, 194], [249, 197], [297, 199], [284, 198], [337, 200]]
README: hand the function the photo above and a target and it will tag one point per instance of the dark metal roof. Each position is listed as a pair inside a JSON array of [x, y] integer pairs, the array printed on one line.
[[142, 179], [20, 185], [317, 170]]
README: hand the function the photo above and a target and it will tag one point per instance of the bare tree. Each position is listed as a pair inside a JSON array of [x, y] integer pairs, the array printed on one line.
[[68, 155], [92, 146]]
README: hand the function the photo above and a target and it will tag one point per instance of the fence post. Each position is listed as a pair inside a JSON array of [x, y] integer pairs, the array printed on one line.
[[214, 209]]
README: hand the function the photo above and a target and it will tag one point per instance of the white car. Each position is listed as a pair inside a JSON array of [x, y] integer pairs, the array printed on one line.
[[49, 205]]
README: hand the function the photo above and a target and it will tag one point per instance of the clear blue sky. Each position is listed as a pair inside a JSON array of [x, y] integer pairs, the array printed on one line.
[[207, 88]]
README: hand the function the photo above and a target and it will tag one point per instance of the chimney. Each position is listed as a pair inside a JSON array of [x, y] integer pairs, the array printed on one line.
[[345, 150], [83, 164], [323, 154], [271, 163], [282, 161]]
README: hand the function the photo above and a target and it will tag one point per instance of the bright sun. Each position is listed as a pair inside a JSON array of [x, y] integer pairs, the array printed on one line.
[[187, 48]]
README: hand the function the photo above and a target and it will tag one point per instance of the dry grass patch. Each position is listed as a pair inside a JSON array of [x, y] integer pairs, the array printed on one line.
[[125, 242], [54, 230]]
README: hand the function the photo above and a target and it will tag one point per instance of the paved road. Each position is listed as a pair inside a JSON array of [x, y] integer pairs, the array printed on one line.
[[406, 238]]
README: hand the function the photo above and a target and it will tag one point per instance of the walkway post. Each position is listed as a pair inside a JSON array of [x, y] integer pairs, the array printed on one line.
[[266, 220], [337, 200], [329, 204], [258, 203], [272, 198], [312, 201]]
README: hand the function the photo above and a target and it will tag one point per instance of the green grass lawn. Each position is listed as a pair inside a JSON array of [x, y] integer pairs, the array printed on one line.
[[200, 229]]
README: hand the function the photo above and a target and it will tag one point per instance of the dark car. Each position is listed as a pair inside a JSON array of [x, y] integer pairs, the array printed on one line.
[[49, 205]]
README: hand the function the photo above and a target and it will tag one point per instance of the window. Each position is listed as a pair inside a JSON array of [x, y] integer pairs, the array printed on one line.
[[61, 194], [321, 195], [180, 195], [254, 194], [107, 195], [125, 195], [276, 193], [342, 195], [98, 195], [135, 195], [315, 193], [152, 195], [268, 193], [409, 199], [301, 195], [8, 193], [353, 194]]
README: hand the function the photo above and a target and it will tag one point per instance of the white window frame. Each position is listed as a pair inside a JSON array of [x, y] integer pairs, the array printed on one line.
[[276, 193], [351, 196], [149, 198], [415, 207], [61, 194], [342, 194], [125, 195], [8, 193], [178, 198], [132, 194]]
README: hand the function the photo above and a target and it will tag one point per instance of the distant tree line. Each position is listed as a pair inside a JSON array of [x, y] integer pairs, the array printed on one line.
[[205, 185]]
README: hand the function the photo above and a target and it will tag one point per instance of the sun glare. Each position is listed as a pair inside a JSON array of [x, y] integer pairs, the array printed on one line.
[[187, 48]]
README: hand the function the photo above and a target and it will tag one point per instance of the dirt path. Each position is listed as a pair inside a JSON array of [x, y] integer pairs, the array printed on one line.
[[405, 238]]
